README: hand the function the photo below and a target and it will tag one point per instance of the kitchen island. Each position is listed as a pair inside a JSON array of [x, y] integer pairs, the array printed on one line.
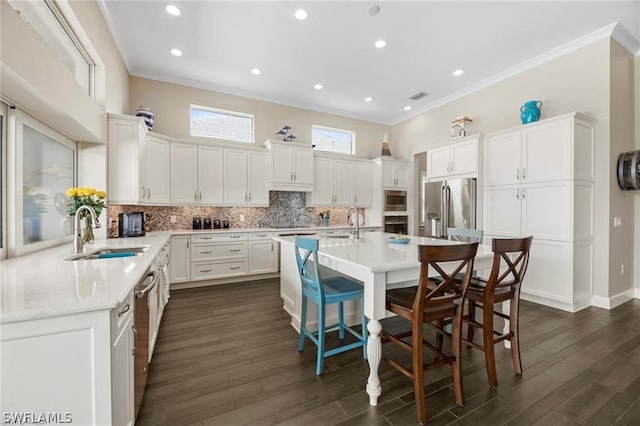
[[379, 265]]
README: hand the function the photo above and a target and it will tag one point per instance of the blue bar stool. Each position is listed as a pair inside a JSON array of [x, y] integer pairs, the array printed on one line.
[[325, 292]]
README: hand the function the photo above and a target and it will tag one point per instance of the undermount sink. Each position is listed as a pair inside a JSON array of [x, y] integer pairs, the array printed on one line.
[[109, 253], [340, 236]]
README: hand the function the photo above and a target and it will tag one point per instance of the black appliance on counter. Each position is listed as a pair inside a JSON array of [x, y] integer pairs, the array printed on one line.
[[131, 224], [197, 223], [225, 224], [216, 224], [206, 223]]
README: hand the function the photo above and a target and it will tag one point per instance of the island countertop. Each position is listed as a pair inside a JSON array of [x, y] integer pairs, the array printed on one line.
[[43, 284]]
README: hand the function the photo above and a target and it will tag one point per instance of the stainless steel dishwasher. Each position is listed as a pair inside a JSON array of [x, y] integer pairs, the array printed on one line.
[[141, 320]]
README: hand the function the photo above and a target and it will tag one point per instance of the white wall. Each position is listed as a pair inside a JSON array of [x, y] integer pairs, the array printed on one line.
[[577, 81], [170, 105]]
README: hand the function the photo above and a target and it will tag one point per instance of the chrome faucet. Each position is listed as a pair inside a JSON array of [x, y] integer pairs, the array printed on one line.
[[357, 221], [77, 238]]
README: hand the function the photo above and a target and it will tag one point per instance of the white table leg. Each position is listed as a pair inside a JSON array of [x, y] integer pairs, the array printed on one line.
[[374, 355]]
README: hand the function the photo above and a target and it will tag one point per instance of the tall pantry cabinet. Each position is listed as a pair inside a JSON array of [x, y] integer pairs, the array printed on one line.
[[539, 180]]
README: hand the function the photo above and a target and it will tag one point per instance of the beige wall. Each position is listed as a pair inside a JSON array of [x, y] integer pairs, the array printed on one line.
[[636, 274], [170, 105], [578, 81], [622, 140]]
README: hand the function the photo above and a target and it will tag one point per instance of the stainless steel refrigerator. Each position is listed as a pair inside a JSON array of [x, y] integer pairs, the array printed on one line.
[[447, 204]]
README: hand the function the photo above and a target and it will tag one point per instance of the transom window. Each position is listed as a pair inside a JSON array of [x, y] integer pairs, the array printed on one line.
[[333, 140], [220, 124]]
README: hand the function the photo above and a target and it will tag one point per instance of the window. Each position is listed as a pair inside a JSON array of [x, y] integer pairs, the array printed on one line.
[[49, 22], [333, 140], [220, 124], [45, 169]]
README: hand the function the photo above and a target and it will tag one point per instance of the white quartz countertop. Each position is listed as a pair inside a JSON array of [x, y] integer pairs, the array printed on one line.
[[44, 284], [266, 229], [375, 252]]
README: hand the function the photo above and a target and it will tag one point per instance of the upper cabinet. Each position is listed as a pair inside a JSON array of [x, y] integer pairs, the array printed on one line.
[[291, 166], [196, 174], [245, 177], [454, 159], [155, 175], [341, 182], [138, 163], [395, 174]]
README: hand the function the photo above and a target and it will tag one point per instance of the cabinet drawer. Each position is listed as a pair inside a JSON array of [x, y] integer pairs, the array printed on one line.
[[218, 251], [204, 238], [261, 235], [201, 271]]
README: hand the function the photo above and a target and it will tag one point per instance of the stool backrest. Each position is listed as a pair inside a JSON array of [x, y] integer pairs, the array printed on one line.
[[473, 235], [443, 290], [308, 264], [513, 254]]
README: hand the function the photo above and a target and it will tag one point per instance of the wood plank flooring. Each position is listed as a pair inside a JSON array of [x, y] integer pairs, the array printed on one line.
[[226, 355]]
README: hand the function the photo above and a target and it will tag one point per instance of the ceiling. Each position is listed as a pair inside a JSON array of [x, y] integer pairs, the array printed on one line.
[[426, 41]]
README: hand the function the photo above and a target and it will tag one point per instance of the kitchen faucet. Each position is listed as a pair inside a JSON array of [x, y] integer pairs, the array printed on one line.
[[357, 220], [77, 238]]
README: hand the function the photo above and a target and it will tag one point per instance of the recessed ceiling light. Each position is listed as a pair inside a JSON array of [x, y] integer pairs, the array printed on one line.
[[407, 108], [368, 99], [176, 52], [301, 14], [373, 10], [318, 86], [380, 44], [172, 10], [458, 72], [256, 71]]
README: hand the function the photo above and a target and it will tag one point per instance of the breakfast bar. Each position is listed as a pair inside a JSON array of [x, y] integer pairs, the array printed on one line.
[[379, 264]]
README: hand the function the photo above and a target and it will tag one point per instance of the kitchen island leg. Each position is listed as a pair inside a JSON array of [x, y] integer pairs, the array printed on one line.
[[374, 354]]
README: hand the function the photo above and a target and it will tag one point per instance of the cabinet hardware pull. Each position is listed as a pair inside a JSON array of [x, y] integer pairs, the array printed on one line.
[[148, 193], [195, 195], [524, 193], [234, 250], [135, 340], [205, 270], [291, 176], [200, 195], [205, 252], [272, 246], [234, 267], [295, 176], [261, 235], [249, 197], [234, 236], [524, 173], [187, 243], [206, 238], [518, 194], [124, 310], [518, 173]]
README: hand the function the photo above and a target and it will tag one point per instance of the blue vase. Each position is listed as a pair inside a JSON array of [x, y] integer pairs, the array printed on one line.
[[530, 111], [146, 113]]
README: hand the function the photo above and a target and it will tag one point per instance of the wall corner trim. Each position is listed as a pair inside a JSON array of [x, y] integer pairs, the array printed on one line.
[[626, 39]]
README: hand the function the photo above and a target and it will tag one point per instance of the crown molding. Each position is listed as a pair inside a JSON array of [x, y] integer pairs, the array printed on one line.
[[626, 39]]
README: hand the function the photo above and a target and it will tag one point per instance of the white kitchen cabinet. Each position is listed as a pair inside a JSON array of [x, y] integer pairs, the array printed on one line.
[[262, 253], [216, 256], [196, 173], [155, 181], [539, 180], [180, 266], [395, 174], [245, 177], [291, 166], [363, 183], [126, 136], [123, 364], [454, 159]]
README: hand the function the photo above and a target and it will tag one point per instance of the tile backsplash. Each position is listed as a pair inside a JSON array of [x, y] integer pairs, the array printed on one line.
[[286, 209]]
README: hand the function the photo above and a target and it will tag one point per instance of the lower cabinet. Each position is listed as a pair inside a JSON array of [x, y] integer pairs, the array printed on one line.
[[219, 256], [263, 257], [180, 268]]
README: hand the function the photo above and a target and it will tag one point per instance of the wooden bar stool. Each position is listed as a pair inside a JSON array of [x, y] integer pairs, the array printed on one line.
[[430, 303], [324, 292], [510, 260]]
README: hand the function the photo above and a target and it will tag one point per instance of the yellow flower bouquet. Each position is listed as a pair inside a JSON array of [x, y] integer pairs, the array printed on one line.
[[86, 197]]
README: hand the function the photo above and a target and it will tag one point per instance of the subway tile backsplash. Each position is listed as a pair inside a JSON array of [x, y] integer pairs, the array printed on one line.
[[286, 209]]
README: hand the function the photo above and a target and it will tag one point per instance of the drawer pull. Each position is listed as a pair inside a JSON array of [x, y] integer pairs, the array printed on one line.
[[234, 236], [206, 238], [205, 252], [205, 270], [124, 310], [261, 235], [234, 267], [234, 250]]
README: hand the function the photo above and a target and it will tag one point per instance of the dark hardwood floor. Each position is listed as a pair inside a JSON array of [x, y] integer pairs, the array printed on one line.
[[226, 355]]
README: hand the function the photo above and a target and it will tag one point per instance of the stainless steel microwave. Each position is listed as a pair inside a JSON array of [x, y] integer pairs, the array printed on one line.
[[395, 201], [131, 224]]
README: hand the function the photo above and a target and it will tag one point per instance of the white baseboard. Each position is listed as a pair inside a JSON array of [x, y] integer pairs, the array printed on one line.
[[616, 300]]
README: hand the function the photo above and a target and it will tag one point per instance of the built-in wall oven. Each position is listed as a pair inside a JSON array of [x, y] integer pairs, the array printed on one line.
[[395, 201], [396, 224]]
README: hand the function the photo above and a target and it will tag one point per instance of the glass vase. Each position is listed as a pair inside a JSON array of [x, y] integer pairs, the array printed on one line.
[[87, 232]]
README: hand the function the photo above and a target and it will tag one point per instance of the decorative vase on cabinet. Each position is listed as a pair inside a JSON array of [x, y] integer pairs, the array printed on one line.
[[146, 113], [530, 111]]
